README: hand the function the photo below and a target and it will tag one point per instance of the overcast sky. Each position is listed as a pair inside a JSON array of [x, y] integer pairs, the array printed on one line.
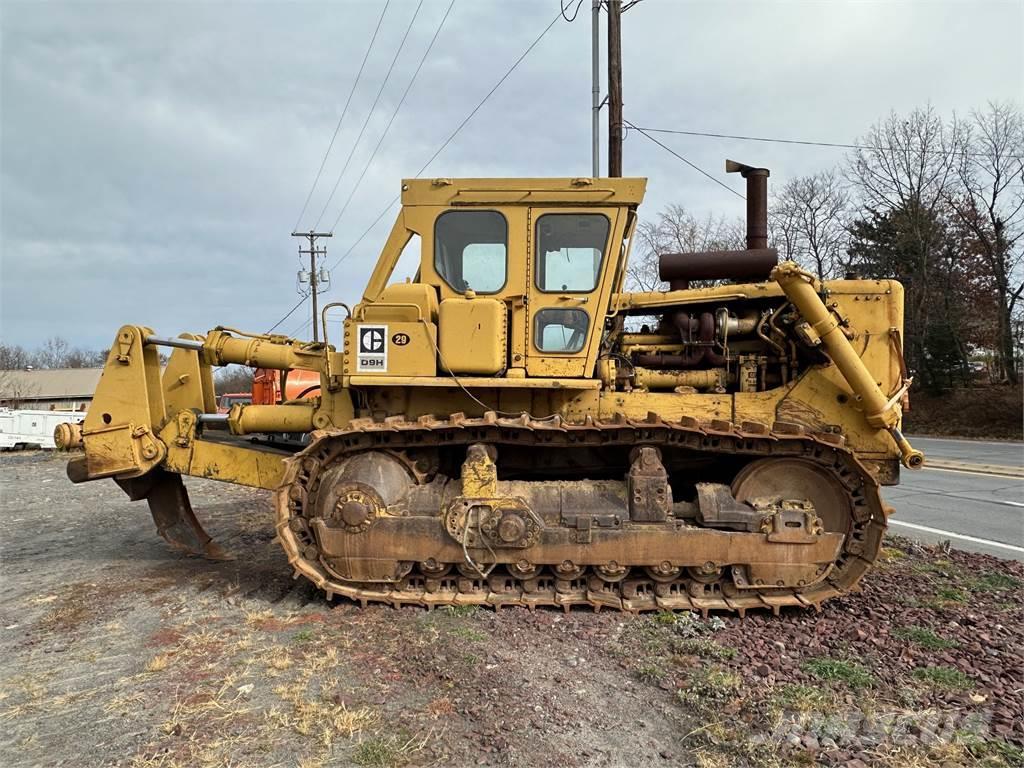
[[155, 156]]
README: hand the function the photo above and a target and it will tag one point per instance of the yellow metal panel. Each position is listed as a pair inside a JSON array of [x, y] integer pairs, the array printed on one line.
[[473, 335], [618, 191], [188, 382], [401, 234], [391, 348], [111, 451], [127, 405], [129, 389], [229, 463], [418, 294], [668, 405], [471, 382]]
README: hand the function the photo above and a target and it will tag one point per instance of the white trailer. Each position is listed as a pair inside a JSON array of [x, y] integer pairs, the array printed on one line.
[[25, 429]]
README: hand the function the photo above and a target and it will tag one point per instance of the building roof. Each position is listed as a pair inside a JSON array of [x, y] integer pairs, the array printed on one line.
[[46, 384]]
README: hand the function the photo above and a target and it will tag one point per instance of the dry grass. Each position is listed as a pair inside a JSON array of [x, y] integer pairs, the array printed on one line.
[[713, 760], [281, 663], [126, 701], [30, 692], [158, 663], [319, 718], [256, 618], [387, 751], [273, 697]]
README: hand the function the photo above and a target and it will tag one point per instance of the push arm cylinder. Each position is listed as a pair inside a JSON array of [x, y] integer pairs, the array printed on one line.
[[253, 419], [221, 348], [799, 287]]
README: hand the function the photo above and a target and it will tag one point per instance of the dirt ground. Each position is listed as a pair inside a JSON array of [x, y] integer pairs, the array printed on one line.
[[115, 651]]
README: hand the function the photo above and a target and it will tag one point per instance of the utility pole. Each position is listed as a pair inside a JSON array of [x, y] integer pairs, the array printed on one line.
[[314, 279], [595, 76], [614, 88]]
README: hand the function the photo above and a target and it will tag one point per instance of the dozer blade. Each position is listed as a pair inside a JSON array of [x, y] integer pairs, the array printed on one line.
[[172, 513]]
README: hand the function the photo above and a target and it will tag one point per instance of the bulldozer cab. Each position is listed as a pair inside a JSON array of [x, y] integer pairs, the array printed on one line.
[[515, 280]]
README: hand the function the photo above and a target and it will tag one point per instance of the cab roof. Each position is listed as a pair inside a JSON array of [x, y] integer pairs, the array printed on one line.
[[552, 191]]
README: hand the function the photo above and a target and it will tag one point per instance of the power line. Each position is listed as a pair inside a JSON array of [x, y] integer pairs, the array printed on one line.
[[366, 231], [289, 313], [344, 111], [454, 133], [574, 13], [369, 114], [490, 93], [293, 334], [833, 144], [440, 149], [351, 248], [394, 114], [643, 132]]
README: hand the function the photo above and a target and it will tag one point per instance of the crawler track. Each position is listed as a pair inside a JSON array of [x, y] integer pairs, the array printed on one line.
[[636, 590]]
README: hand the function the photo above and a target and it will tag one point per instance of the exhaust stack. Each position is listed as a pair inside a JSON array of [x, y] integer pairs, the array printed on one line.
[[757, 202], [754, 263]]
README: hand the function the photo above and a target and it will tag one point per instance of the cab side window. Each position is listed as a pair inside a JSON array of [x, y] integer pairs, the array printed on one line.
[[570, 248], [560, 330], [471, 250]]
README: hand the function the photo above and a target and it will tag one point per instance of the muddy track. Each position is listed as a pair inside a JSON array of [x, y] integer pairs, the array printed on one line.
[[715, 439]]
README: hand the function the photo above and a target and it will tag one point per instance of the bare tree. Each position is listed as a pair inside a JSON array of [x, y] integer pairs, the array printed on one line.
[[14, 388], [676, 230], [53, 353], [988, 200], [809, 220], [14, 357], [233, 379], [906, 166]]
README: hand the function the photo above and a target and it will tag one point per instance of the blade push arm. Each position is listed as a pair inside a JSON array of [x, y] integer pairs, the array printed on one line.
[[880, 411]]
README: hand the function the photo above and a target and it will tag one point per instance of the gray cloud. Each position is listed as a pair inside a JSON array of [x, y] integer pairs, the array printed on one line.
[[154, 155]]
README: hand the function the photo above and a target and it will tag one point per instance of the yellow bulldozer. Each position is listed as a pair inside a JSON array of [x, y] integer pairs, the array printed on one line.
[[512, 427]]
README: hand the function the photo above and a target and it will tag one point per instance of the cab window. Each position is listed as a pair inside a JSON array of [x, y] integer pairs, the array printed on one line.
[[560, 330], [471, 250], [570, 248]]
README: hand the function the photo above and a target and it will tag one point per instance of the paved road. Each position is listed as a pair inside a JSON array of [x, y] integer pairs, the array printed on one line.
[[1005, 453], [974, 511]]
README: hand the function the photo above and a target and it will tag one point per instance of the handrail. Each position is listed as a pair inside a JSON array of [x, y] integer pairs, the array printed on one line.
[[362, 308], [323, 317]]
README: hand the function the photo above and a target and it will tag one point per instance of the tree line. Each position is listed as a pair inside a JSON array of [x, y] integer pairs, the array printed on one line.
[[55, 352], [935, 203]]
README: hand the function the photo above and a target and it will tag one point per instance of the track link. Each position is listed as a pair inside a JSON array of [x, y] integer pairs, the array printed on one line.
[[635, 591]]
